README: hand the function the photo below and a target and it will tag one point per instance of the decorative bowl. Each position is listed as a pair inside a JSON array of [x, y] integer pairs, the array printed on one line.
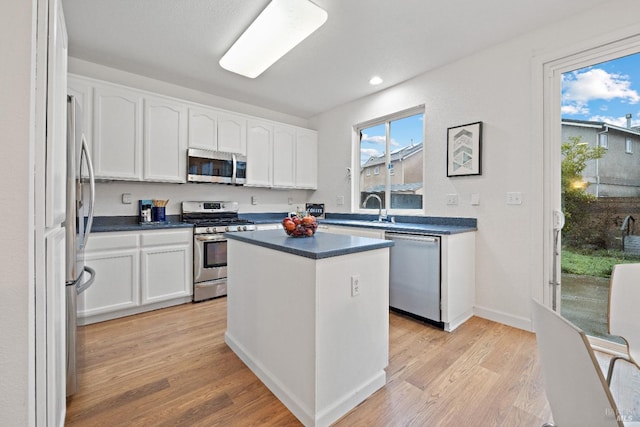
[[295, 226]]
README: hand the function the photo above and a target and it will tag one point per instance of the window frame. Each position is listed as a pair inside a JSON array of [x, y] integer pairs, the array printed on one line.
[[603, 140], [355, 161], [628, 146]]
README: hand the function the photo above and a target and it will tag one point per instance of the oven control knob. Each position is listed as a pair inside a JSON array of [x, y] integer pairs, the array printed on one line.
[[244, 228], [226, 229], [209, 230], [239, 228]]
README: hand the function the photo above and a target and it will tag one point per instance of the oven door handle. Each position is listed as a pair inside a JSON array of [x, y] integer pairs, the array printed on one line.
[[210, 238]]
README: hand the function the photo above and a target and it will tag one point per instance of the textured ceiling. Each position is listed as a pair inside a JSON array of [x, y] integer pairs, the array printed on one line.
[[181, 41]]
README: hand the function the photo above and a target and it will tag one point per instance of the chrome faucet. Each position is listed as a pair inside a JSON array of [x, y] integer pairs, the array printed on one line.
[[375, 196]]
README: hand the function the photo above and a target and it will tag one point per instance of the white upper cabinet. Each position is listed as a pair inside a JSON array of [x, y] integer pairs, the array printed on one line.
[[284, 154], [141, 136], [203, 128], [117, 133], [281, 156], [306, 159], [259, 153], [232, 133], [165, 140]]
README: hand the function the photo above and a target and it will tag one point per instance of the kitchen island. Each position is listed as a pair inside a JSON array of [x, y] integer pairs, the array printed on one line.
[[309, 316]]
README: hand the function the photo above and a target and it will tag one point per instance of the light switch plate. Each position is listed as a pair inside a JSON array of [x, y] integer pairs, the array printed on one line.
[[475, 199]]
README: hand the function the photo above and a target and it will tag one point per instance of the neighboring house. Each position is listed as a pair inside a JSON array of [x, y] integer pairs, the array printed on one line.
[[617, 172], [405, 171]]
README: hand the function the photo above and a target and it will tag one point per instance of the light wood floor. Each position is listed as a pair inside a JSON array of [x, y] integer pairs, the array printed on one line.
[[171, 367]]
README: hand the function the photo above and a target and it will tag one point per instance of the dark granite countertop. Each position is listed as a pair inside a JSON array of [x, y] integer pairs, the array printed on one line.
[[321, 245], [403, 223], [130, 223]]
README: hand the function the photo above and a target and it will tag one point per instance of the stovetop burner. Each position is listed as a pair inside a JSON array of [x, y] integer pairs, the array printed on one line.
[[213, 222], [214, 217]]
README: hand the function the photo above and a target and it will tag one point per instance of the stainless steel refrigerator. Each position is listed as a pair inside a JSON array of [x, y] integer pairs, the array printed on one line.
[[80, 203]]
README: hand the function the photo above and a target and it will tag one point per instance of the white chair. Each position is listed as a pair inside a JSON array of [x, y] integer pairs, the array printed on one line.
[[624, 310], [576, 389]]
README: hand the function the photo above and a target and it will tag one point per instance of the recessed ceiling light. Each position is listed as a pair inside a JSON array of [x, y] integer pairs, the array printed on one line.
[[278, 29], [375, 80]]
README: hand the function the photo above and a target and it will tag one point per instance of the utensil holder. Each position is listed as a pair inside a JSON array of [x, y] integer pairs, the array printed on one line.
[[159, 214]]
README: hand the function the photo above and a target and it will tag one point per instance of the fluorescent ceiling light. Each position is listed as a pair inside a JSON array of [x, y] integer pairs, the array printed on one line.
[[278, 29], [375, 80]]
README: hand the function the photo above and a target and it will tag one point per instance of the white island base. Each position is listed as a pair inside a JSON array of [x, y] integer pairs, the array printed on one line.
[[320, 347]]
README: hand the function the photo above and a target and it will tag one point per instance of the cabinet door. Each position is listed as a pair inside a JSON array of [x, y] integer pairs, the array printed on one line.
[[284, 146], [117, 133], [116, 284], [306, 159], [56, 152], [165, 136], [56, 326], [232, 133], [165, 273], [259, 157], [203, 128], [353, 231], [82, 90]]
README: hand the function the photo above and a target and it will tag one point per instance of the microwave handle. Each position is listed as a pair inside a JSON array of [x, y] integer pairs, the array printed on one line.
[[235, 167]]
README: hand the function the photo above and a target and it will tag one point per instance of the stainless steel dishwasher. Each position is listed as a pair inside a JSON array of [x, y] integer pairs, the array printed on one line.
[[414, 275]]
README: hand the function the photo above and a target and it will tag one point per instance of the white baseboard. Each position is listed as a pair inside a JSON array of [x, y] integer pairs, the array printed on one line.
[[450, 326], [95, 318], [504, 318]]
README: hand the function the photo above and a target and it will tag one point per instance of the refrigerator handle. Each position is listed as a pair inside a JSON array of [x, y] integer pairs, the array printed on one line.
[[92, 187], [83, 287]]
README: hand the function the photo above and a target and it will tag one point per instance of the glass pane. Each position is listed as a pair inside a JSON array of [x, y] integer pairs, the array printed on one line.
[[372, 170], [407, 185], [600, 186]]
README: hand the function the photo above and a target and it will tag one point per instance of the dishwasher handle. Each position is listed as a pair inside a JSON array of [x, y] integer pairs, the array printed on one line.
[[412, 237]]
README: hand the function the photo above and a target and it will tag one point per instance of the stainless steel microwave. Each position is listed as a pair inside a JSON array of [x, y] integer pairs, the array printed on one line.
[[216, 166]]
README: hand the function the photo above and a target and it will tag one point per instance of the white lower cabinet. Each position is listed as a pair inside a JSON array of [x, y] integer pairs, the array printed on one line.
[[166, 266], [136, 272], [353, 231], [457, 271], [274, 226]]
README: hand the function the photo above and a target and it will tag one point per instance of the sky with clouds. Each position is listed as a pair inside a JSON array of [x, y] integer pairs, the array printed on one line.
[[605, 92], [404, 132]]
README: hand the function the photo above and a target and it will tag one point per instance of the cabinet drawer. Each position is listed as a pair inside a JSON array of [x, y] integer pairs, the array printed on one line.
[[110, 241], [156, 238]]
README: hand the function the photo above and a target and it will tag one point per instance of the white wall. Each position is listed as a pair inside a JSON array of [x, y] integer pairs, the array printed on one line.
[[109, 197], [109, 194], [495, 86], [16, 228]]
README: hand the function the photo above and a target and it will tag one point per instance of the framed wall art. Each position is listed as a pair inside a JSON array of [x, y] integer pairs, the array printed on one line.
[[464, 150]]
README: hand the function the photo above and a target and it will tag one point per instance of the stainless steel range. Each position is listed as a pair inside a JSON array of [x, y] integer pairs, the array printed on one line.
[[212, 220]]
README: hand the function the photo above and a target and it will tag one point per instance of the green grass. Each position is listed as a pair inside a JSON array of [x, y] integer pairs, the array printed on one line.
[[593, 263]]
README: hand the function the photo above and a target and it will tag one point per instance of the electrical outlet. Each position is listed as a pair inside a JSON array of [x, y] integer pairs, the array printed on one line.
[[254, 200], [452, 199], [290, 200], [355, 286], [126, 198], [340, 200], [475, 199], [514, 198]]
